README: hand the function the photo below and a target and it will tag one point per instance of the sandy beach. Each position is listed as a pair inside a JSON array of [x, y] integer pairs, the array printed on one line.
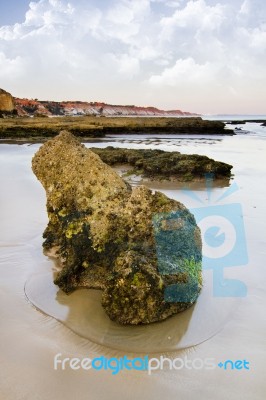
[[38, 321]]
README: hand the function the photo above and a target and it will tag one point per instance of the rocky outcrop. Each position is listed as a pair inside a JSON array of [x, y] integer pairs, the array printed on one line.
[[91, 126], [27, 107], [34, 107], [159, 164], [7, 105], [141, 248]]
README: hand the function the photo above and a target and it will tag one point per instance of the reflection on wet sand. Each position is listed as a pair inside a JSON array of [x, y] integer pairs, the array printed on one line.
[[83, 314]]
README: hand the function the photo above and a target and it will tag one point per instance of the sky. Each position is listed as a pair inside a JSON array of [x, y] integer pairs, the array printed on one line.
[[203, 56]]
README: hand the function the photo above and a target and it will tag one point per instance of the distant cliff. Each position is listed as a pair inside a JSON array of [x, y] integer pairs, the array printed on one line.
[[33, 107], [7, 105], [88, 125], [27, 107]]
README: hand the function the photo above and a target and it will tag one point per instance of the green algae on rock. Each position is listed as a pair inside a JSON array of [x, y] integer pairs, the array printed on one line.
[[159, 164], [141, 248]]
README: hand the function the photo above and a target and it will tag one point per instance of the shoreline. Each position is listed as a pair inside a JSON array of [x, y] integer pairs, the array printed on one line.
[[245, 121], [88, 127], [169, 183], [153, 164]]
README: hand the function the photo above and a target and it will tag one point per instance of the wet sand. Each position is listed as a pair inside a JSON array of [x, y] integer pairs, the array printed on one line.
[[223, 328]]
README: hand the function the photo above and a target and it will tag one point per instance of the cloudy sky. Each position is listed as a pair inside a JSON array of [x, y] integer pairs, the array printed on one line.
[[200, 55]]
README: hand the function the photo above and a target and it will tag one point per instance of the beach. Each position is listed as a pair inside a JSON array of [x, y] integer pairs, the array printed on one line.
[[38, 322]]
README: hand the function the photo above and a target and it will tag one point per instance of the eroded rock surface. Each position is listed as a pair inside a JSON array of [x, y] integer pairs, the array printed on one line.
[[159, 164], [7, 105], [35, 107], [141, 248]]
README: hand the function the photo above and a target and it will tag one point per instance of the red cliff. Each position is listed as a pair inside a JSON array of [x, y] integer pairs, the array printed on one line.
[[36, 107]]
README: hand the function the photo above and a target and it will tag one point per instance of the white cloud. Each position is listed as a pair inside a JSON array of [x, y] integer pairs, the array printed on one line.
[[255, 39], [40, 16], [170, 3], [124, 20], [125, 66], [84, 49], [245, 7], [11, 67], [175, 3], [184, 72], [196, 15], [48, 12], [128, 11]]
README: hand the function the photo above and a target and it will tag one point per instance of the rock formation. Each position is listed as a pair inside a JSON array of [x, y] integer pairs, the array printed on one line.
[[7, 105], [26, 107], [141, 248], [160, 164]]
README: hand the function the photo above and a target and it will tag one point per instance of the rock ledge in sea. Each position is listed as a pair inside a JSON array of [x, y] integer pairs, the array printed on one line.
[[141, 248]]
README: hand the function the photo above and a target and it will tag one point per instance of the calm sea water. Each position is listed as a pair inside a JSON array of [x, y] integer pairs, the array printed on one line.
[[234, 117]]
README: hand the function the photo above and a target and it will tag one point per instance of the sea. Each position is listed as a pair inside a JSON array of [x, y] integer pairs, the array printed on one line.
[[227, 324]]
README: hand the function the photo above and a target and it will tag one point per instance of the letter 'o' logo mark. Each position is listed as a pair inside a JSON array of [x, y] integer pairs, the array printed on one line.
[[219, 236]]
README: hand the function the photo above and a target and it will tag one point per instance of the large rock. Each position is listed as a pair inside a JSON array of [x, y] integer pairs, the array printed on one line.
[[141, 248], [7, 105]]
